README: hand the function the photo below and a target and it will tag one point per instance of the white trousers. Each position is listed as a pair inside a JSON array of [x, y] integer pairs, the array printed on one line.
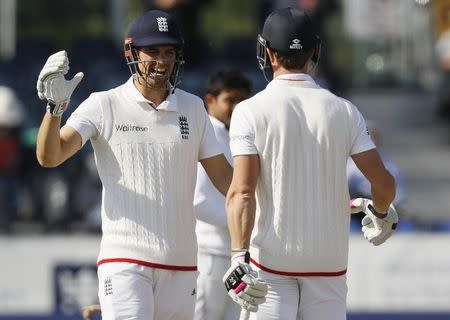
[[129, 291], [303, 298], [213, 302]]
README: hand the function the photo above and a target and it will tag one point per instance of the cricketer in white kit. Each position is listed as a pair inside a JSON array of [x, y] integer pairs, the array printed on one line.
[[288, 203], [147, 162], [148, 137]]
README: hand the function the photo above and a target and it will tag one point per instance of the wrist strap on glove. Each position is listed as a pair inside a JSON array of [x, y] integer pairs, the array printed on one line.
[[241, 257], [377, 214], [57, 109], [239, 250], [234, 280]]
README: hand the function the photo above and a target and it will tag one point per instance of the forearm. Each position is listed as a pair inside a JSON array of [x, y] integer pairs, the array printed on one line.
[[219, 172], [383, 193], [241, 218], [224, 183], [48, 145]]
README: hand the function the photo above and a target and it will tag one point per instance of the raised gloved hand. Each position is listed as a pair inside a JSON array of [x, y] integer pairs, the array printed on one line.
[[52, 85], [242, 283], [377, 227]]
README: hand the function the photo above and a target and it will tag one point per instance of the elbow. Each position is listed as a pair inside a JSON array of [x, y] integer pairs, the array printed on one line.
[[46, 161], [241, 194]]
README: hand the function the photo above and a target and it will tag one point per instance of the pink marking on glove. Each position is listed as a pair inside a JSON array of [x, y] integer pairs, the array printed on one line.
[[240, 287]]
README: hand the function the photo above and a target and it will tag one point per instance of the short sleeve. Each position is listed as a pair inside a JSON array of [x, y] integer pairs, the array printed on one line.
[[242, 132], [362, 141], [209, 146], [87, 119]]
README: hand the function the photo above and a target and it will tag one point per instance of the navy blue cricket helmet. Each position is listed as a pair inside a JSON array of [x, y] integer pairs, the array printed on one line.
[[154, 28], [287, 30]]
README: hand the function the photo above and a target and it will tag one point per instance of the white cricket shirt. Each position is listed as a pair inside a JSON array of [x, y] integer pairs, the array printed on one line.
[[303, 135], [147, 161], [209, 204]]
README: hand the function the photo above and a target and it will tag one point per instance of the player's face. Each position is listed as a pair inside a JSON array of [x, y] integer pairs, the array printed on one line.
[[223, 105], [156, 64]]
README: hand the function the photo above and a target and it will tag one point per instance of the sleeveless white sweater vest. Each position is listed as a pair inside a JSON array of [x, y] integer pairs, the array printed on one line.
[[147, 162]]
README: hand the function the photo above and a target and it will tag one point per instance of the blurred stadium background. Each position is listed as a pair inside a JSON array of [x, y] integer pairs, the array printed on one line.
[[390, 57]]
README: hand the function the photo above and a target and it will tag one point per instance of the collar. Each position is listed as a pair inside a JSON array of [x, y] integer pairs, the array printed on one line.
[[301, 80], [216, 122], [296, 77], [170, 104]]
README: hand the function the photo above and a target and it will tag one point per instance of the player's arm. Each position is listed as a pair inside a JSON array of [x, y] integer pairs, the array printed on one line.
[[381, 218], [55, 145], [382, 182], [219, 172], [241, 201], [241, 280]]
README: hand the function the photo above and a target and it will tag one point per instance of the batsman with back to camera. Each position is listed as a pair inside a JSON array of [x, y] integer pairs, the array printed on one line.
[[224, 89], [148, 137], [288, 203]]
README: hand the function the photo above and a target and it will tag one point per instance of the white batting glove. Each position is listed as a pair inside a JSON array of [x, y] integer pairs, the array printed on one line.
[[377, 227], [53, 86], [242, 283]]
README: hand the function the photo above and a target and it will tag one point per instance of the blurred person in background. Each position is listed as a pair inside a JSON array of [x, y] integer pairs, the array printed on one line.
[[12, 116], [224, 90], [30, 198], [288, 203], [148, 137]]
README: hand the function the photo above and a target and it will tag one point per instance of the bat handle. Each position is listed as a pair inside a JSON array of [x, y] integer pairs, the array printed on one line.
[[245, 314]]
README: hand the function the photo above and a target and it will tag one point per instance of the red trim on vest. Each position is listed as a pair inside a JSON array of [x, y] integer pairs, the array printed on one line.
[[148, 264], [300, 274]]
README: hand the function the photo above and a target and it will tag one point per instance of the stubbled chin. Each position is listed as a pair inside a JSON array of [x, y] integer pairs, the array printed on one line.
[[154, 83], [159, 82]]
